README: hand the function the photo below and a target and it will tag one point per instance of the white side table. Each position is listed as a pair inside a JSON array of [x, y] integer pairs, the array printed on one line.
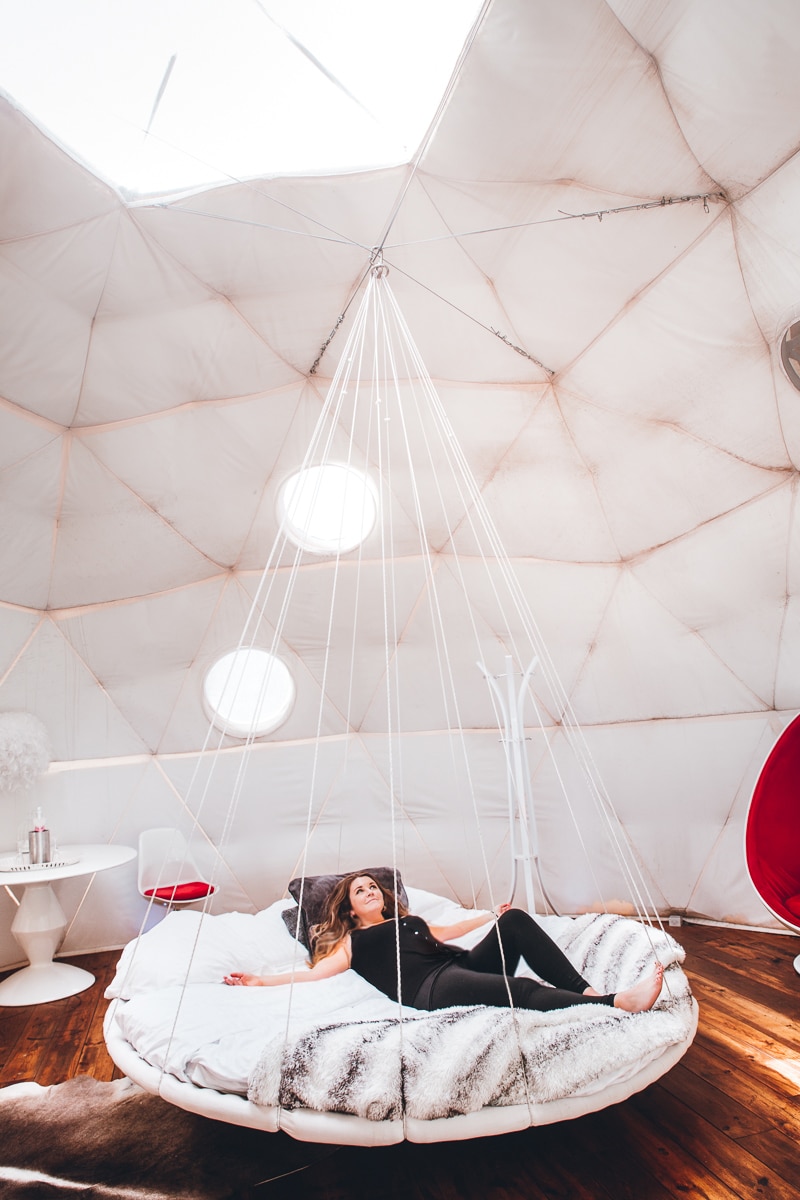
[[40, 922]]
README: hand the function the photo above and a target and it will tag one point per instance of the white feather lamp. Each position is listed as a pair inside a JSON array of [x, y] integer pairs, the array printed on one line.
[[24, 750]]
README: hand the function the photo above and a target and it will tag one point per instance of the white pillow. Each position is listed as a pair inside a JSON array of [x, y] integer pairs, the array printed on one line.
[[196, 947], [437, 910], [277, 949]]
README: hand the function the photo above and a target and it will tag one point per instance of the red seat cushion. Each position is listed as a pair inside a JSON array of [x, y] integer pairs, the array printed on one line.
[[182, 891], [772, 832]]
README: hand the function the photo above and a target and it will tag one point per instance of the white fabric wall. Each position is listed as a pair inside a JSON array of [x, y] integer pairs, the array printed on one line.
[[154, 392]]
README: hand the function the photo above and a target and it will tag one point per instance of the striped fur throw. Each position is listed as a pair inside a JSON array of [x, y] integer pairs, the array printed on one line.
[[459, 1060]]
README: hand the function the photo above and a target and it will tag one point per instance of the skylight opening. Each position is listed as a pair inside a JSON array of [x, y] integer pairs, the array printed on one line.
[[248, 692], [328, 509], [164, 95]]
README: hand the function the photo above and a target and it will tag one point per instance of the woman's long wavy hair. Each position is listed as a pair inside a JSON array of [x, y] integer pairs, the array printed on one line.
[[339, 920]]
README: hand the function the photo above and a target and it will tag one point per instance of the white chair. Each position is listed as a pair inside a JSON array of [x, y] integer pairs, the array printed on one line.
[[168, 874]]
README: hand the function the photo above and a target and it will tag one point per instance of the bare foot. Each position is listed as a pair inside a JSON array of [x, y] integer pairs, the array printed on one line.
[[642, 996]]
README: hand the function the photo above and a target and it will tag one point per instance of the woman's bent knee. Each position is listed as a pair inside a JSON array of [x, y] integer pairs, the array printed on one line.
[[515, 920]]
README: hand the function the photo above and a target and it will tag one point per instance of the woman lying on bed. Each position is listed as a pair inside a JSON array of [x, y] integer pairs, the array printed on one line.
[[363, 927]]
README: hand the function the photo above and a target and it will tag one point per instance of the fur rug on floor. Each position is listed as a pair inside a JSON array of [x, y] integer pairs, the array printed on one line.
[[113, 1141]]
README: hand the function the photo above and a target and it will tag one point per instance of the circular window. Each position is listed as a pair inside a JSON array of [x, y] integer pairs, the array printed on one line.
[[328, 509], [790, 354], [248, 692]]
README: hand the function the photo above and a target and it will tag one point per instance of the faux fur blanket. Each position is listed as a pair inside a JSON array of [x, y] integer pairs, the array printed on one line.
[[459, 1060]]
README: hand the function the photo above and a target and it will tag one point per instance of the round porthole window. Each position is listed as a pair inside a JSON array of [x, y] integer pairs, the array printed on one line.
[[248, 692], [790, 354], [328, 509]]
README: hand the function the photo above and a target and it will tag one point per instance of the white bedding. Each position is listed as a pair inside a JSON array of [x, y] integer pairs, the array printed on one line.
[[178, 1015]]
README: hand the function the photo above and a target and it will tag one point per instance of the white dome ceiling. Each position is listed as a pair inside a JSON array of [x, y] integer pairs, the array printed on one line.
[[596, 253]]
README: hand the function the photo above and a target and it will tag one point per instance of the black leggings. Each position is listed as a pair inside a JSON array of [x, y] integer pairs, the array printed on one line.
[[478, 978]]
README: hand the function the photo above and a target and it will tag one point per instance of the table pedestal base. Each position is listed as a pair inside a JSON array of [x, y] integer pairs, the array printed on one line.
[[39, 927], [49, 981]]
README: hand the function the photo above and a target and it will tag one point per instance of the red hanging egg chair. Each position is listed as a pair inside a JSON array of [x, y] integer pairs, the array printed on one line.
[[772, 831]]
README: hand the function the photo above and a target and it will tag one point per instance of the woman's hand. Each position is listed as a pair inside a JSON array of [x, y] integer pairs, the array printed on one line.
[[239, 979], [501, 908]]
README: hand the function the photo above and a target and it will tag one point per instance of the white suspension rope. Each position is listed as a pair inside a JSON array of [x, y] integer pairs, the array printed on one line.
[[383, 418], [386, 309]]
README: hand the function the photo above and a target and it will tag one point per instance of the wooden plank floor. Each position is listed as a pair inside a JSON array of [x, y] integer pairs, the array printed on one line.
[[722, 1125]]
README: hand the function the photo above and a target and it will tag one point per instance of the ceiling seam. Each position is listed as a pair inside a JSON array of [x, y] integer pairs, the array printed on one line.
[[32, 418], [590, 474], [674, 426], [98, 305], [210, 292], [160, 518], [66, 453], [641, 555], [764, 703], [509, 451], [72, 650], [217, 402], [268, 480], [768, 346], [225, 581], [496, 333], [20, 654], [645, 288], [71, 226], [655, 65], [351, 291], [583, 666], [747, 192], [332, 235], [482, 274]]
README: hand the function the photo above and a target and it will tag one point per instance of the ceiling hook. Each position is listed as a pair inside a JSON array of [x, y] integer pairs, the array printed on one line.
[[379, 268]]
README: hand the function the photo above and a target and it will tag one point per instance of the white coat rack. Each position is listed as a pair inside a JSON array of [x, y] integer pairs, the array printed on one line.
[[523, 833]]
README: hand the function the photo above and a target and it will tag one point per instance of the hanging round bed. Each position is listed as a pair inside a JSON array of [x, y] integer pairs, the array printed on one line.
[[337, 1061], [772, 831]]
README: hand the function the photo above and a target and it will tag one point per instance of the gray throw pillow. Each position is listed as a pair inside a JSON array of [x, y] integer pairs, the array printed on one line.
[[316, 891]]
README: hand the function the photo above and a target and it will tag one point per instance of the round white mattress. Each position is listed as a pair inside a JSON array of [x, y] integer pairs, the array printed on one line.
[[346, 1129], [285, 1058]]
